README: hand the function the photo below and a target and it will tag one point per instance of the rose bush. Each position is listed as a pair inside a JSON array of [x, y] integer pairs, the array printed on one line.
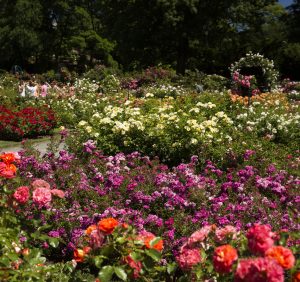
[[27, 122]]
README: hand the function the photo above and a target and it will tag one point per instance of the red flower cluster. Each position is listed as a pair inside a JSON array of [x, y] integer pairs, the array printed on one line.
[[28, 122]]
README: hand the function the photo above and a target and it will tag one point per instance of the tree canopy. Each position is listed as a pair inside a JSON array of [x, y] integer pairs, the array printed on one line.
[[206, 35]]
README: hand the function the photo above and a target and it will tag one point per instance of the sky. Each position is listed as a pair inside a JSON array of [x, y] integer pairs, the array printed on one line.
[[285, 2]]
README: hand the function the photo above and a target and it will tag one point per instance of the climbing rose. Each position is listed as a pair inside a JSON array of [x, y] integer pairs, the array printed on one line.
[[42, 196], [259, 270], [224, 257], [260, 239], [107, 225], [188, 258], [21, 195], [283, 256]]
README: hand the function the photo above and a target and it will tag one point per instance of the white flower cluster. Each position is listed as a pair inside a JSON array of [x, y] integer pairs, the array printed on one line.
[[257, 60]]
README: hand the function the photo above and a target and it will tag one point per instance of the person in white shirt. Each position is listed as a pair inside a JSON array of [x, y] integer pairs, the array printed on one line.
[[31, 89], [22, 89]]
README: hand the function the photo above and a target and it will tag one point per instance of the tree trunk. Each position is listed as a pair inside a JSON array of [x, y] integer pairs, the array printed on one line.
[[182, 55]]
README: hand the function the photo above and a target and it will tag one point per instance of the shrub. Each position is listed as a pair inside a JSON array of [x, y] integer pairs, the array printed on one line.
[[28, 122], [215, 82]]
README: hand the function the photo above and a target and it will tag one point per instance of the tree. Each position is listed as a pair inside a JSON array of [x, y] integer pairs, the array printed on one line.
[[20, 23]]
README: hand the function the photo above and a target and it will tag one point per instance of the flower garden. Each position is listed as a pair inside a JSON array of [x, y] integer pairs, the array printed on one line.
[[157, 182]]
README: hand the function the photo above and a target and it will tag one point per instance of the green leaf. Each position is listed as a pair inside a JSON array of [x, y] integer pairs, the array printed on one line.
[[106, 273], [54, 242], [136, 256], [12, 256], [120, 272], [98, 261], [154, 254], [121, 240], [154, 241], [171, 267]]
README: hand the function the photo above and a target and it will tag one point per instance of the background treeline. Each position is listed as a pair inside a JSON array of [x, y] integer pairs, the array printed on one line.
[[208, 35]]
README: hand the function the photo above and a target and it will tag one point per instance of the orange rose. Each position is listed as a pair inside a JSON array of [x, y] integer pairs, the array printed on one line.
[[107, 225], [91, 228], [7, 170], [25, 252], [224, 257], [86, 250], [282, 255], [296, 277], [147, 237], [8, 158], [12, 167], [79, 255]]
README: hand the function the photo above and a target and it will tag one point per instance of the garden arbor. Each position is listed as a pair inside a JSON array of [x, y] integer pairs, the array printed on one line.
[[257, 65]]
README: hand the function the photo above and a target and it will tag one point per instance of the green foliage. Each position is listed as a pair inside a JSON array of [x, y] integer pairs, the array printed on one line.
[[215, 83]]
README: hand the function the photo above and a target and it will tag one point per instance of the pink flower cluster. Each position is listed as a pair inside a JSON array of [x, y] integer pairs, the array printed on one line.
[[260, 239], [269, 267], [244, 81], [188, 258], [259, 270], [41, 195], [22, 195]]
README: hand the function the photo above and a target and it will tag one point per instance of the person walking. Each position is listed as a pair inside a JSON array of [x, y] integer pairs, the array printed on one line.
[[22, 88], [44, 89], [32, 89]]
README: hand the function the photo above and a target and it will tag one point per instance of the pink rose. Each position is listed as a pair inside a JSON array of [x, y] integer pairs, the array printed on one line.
[[188, 258], [200, 235], [96, 239], [58, 193], [21, 195], [42, 196], [40, 183], [260, 239], [228, 232], [259, 270]]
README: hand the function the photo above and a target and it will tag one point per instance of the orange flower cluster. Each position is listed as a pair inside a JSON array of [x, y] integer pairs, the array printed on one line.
[[7, 168], [266, 98], [224, 257], [282, 255], [147, 237], [80, 254], [107, 225]]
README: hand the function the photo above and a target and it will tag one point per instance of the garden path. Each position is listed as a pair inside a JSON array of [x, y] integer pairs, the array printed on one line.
[[41, 146]]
